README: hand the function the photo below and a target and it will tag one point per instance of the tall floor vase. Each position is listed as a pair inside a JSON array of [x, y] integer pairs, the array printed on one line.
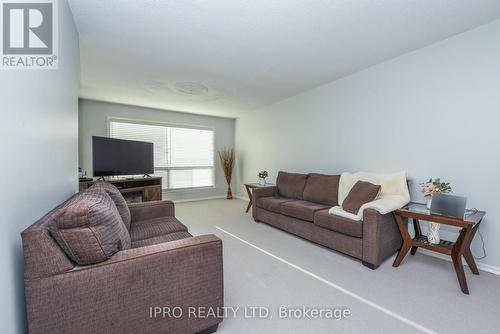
[[229, 193], [227, 163]]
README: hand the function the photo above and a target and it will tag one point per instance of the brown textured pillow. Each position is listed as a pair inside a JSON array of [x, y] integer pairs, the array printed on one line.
[[117, 198], [89, 228], [362, 192]]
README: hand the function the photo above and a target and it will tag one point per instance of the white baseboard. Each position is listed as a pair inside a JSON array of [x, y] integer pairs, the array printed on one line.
[[198, 199], [480, 266], [207, 198]]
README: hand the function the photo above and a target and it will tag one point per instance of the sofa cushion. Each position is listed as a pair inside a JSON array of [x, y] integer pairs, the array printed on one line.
[[161, 239], [291, 184], [89, 228], [301, 209], [117, 198], [362, 192], [272, 203], [323, 189], [150, 228], [338, 224]]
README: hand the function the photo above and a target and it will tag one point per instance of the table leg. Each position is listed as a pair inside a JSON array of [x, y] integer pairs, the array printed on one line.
[[468, 254], [459, 269], [249, 205], [406, 246], [250, 197], [470, 261], [418, 233], [456, 255]]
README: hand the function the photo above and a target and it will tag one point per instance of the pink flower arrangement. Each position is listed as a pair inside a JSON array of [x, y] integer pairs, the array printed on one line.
[[429, 189], [435, 186]]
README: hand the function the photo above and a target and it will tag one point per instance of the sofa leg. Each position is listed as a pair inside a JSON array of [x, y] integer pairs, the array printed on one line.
[[256, 220], [209, 330], [370, 265]]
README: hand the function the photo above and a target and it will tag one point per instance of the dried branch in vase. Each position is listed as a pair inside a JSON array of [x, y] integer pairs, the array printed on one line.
[[227, 162]]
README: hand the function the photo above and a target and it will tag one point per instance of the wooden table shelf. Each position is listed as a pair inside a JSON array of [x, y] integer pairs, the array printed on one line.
[[444, 246]]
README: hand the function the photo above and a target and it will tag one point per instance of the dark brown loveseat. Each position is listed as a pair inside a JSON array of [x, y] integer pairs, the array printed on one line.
[[164, 267], [299, 204]]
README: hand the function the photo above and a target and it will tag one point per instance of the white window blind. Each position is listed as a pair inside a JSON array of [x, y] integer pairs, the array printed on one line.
[[184, 157], [190, 147]]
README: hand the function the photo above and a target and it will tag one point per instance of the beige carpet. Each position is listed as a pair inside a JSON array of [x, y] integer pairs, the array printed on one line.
[[266, 267]]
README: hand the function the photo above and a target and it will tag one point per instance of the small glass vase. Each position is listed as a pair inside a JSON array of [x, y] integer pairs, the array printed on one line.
[[429, 202], [262, 181]]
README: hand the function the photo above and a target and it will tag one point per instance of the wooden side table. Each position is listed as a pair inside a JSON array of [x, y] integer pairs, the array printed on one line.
[[461, 247], [250, 186]]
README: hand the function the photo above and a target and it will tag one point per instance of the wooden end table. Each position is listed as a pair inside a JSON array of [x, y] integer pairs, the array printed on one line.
[[250, 186], [461, 247]]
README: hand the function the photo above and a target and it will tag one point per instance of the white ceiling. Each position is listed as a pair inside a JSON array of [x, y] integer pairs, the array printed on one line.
[[249, 53]]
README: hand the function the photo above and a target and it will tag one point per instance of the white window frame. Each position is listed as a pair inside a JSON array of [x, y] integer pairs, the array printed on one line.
[[173, 125]]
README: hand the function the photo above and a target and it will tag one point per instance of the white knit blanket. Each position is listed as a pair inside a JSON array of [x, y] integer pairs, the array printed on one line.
[[393, 193]]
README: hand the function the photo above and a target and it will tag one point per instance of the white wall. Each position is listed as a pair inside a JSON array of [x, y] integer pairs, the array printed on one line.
[[93, 118], [434, 112], [39, 147]]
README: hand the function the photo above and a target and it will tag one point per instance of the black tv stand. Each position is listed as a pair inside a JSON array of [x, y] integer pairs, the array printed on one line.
[[134, 189], [146, 176]]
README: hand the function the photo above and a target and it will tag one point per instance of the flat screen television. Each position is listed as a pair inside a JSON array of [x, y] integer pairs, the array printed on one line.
[[112, 157]]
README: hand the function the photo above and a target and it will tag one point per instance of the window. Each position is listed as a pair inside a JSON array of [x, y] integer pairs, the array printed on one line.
[[184, 156]]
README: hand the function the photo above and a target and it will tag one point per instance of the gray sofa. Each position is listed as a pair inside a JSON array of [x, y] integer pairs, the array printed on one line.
[[299, 204], [160, 264]]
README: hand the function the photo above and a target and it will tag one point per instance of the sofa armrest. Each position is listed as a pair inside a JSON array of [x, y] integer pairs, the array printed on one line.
[[166, 248], [259, 193], [124, 294], [264, 192], [150, 210], [381, 237]]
